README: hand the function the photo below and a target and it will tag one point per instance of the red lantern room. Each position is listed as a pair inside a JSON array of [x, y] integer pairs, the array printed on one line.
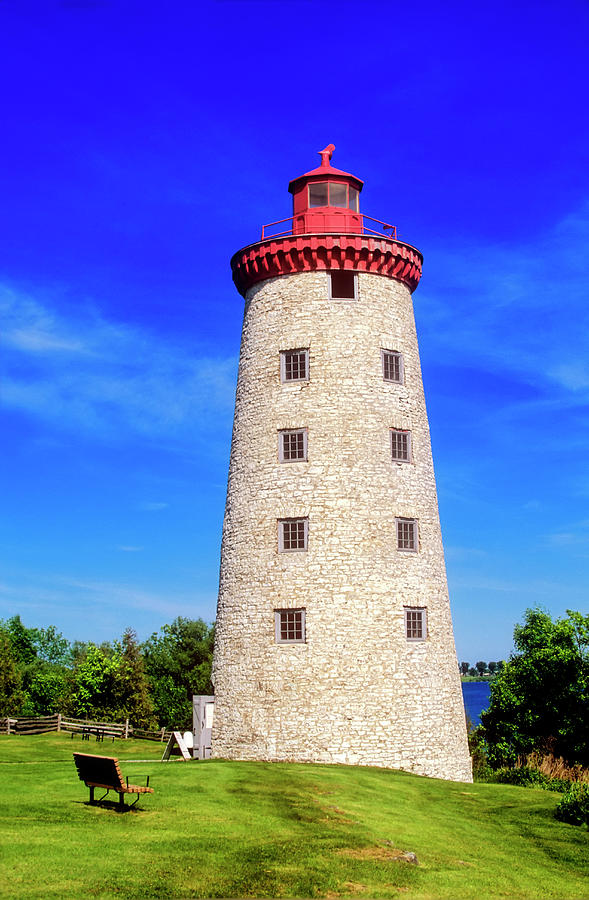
[[326, 199], [326, 232]]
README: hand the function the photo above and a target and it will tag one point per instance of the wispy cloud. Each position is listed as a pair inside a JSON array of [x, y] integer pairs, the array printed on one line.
[[464, 554], [517, 309], [539, 589], [152, 506], [574, 376], [96, 605], [575, 536], [32, 328], [85, 372], [133, 597], [127, 548]]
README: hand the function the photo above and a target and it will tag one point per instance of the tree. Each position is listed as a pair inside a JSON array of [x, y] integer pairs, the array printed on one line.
[[43, 658], [109, 682], [178, 663], [481, 667], [22, 640], [94, 693], [133, 700], [47, 689], [464, 667], [540, 698], [51, 646], [473, 672], [11, 694], [492, 667]]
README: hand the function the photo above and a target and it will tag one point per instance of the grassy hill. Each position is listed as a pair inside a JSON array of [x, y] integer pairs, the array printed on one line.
[[230, 829]]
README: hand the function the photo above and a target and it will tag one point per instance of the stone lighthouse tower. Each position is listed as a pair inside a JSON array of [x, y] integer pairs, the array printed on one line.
[[334, 639]]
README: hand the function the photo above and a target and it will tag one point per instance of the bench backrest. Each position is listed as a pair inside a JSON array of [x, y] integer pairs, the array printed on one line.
[[102, 771]]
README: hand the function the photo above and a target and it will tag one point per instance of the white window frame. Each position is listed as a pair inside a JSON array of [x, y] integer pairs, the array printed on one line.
[[289, 431], [355, 277], [409, 457], [278, 630], [281, 523], [401, 378], [415, 609], [283, 355], [401, 520]]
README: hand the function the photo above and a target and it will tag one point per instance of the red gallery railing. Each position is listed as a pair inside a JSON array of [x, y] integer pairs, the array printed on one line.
[[386, 230]]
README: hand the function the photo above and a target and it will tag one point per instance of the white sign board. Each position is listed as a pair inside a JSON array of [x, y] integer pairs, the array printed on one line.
[[176, 738]]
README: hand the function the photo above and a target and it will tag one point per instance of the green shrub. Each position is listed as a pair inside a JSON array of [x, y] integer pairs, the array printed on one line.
[[481, 770], [558, 784], [522, 776], [574, 805], [528, 776]]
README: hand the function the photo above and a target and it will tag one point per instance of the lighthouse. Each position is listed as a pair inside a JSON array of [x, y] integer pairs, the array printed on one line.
[[334, 638]]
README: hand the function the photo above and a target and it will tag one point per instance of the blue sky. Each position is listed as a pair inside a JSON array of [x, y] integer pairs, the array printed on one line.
[[141, 146]]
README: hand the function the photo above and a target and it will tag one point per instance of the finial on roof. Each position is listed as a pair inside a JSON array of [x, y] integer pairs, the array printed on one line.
[[326, 154]]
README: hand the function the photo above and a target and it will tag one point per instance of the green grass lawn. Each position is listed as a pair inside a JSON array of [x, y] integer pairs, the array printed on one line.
[[231, 829]]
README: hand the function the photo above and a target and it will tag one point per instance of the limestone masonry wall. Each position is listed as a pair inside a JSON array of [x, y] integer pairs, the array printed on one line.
[[356, 691]]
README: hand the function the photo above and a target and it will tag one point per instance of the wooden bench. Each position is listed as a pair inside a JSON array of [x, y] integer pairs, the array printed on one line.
[[104, 772]]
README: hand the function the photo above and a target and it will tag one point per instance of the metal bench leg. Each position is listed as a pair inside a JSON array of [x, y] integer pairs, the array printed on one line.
[[121, 801], [91, 795]]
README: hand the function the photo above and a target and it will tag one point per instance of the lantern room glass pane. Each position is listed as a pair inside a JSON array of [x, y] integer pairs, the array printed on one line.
[[338, 195], [353, 199], [318, 194]]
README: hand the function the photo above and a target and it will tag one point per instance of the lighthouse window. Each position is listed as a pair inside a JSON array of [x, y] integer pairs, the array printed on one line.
[[342, 285], [292, 534], [331, 193], [401, 445], [338, 195], [318, 194], [392, 366], [415, 623], [407, 534], [292, 445], [289, 626], [294, 365]]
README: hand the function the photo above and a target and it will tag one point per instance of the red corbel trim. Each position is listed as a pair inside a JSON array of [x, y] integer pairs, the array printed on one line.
[[321, 252]]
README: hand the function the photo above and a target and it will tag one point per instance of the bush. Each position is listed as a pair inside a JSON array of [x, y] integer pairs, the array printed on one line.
[[481, 770], [523, 777], [526, 776], [558, 784], [574, 805]]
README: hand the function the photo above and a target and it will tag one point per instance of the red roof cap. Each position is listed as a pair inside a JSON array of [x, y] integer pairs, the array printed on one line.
[[325, 169]]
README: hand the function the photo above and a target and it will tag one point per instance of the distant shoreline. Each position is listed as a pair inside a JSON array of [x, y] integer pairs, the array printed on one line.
[[466, 678]]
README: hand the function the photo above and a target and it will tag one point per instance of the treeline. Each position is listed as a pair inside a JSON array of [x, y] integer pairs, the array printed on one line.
[[151, 683], [481, 668]]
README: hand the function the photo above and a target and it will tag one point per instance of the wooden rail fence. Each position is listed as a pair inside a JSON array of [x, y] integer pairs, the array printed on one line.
[[60, 722]]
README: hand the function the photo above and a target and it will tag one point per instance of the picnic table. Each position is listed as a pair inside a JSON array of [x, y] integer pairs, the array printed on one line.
[[93, 730]]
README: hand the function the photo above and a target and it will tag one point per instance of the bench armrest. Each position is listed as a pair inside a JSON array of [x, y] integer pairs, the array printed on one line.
[[146, 783]]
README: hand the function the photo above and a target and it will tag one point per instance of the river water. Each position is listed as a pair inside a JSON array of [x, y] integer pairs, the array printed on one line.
[[476, 696]]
